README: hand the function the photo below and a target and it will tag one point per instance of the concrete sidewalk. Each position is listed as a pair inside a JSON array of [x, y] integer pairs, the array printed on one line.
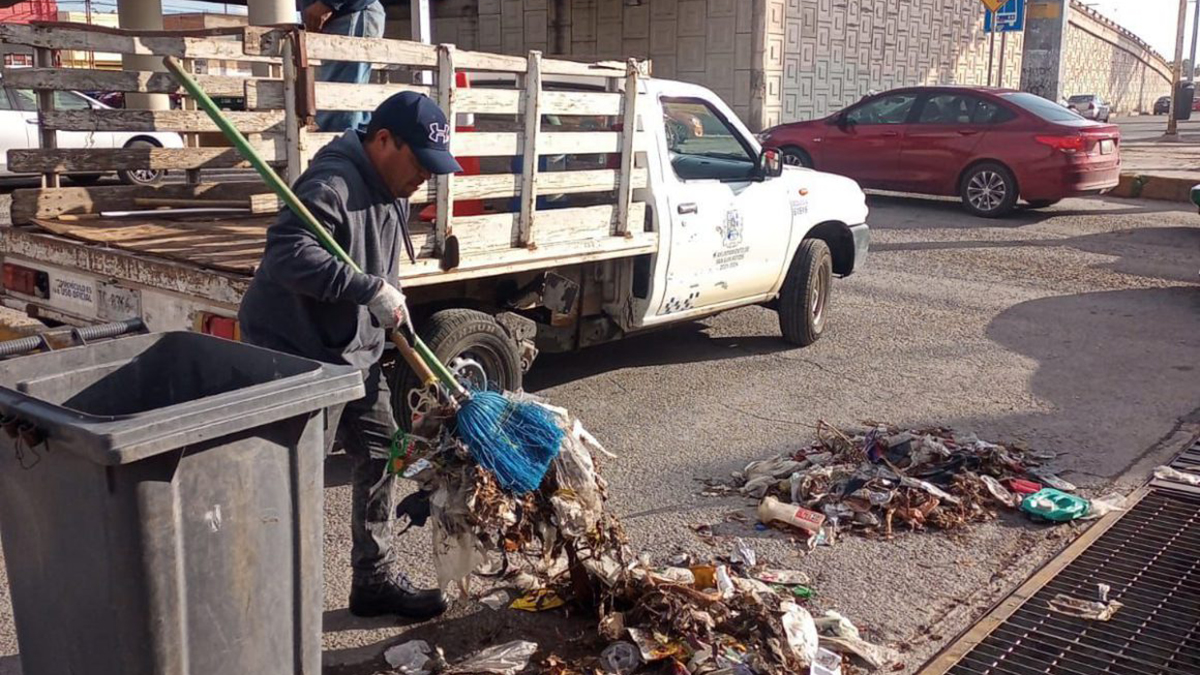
[[1154, 168]]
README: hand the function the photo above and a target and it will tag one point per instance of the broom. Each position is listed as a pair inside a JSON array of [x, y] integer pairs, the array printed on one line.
[[515, 440]]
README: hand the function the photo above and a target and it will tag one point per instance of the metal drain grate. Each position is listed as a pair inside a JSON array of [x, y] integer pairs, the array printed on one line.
[[1149, 556]]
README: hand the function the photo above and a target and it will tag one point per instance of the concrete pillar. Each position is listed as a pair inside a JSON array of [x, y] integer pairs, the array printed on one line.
[[142, 15], [269, 13], [1043, 61]]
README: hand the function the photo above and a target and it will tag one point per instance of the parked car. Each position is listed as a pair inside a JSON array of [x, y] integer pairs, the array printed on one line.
[[1090, 106], [988, 146], [1163, 105], [19, 131]]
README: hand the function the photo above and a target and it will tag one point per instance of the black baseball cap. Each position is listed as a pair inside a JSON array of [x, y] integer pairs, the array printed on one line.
[[419, 122]]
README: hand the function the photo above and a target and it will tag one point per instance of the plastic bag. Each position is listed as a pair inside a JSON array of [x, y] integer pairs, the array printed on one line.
[[414, 657], [801, 632], [505, 659], [1169, 473], [1102, 506]]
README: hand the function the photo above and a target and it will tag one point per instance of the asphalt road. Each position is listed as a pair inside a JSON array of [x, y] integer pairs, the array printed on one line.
[[1143, 128], [1074, 328]]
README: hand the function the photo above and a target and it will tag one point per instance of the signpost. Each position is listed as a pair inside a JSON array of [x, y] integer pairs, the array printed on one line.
[[1002, 17]]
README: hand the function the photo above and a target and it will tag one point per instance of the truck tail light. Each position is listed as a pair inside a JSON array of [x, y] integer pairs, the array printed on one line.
[[27, 281], [219, 326], [1067, 144]]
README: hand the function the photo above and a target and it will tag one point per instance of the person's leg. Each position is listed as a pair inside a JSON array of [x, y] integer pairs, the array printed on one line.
[[366, 23], [366, 430]]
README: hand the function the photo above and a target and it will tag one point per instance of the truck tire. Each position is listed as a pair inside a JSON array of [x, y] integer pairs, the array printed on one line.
[[804, 299], [473, 345]]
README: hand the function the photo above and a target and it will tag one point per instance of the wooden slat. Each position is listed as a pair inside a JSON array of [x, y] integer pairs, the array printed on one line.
[[489, 101], [533, 130], [158, 120], [117, 80], [630, 123], [268, 94], [507, 144], [371, 50], [84, 160], [447, 99], [29, 204], [492, 263], [500, 231], [508, 102], [44, 58], [84, 37], [500, 186], [468, 60]]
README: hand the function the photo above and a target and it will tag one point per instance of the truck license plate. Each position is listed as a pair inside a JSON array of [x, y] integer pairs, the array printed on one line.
[[1106, 147], [72, 293], [114, 303]]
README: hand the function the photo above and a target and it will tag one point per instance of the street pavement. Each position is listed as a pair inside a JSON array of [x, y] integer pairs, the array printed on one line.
[[1166, 169], [1074, 328]]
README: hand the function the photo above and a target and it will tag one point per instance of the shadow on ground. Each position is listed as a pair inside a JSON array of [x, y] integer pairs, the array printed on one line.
[[568, 635], [916, 211], [689, 343]]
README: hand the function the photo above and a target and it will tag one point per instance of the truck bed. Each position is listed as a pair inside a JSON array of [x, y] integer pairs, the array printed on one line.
[[234, 245]]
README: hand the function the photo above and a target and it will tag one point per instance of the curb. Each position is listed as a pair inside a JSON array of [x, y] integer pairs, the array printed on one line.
[[1144, 186]]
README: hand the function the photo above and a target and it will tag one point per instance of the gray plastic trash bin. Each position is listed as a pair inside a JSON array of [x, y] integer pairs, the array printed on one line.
[[170, 522]]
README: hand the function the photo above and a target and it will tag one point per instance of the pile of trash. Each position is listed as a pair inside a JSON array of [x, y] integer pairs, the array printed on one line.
[[874, 480], [556, 546]]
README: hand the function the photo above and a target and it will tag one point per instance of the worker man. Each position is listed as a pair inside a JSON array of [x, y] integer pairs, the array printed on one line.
[[353, 18], [305, 301]]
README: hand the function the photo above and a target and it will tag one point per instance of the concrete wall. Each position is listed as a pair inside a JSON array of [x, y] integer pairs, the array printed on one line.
[[836, 52], [784, 60], [710, 42], [1106, 59]]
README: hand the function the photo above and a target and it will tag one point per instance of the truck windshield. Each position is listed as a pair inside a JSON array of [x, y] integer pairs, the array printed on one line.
[[702, 144]]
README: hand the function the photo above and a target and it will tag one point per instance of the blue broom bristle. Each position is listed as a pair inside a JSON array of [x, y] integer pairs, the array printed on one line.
[[515, 440]]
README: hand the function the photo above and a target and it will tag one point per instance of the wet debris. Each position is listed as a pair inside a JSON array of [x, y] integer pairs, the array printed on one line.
[[727, 614], [881, 479]]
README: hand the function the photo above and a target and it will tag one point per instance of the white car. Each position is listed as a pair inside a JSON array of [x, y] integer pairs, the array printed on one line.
[[19, 131], [1090, 106]]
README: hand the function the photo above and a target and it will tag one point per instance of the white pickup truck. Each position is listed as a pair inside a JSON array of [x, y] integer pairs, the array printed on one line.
[[713, 222]]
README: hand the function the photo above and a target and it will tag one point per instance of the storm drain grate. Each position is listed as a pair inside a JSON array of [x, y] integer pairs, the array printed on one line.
[[1148, 556]]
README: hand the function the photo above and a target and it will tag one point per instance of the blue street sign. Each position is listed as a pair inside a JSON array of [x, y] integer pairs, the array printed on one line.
[[1009, 18]]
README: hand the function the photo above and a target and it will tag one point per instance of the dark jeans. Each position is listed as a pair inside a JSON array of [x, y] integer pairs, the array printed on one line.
[[365, 428]]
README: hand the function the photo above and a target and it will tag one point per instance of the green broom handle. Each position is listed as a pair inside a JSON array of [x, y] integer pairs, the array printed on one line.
[[285, 193]]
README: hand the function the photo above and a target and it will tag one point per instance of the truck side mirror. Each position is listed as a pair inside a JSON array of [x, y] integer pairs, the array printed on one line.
[[770, 163]]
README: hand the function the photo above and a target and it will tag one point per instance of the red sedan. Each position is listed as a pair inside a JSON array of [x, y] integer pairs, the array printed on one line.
[[988, 146]]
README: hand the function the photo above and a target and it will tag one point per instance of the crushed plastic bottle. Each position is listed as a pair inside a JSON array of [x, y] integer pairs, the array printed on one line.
[[1054, 505]]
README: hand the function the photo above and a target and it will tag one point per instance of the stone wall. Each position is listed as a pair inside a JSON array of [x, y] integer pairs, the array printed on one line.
[[784, 60]]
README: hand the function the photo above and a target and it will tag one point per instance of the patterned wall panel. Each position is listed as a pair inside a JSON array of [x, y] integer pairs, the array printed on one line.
[[837, 52], [814, 56], [1103, 58]]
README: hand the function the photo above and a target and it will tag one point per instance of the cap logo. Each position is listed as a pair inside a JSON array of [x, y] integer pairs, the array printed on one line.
[[439, 133]]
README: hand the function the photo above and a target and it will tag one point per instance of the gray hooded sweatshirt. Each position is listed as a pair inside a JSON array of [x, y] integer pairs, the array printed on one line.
[[302, 299]]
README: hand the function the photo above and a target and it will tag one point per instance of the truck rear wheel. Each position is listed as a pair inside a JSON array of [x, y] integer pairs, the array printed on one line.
[[473, 346], [804, 299]]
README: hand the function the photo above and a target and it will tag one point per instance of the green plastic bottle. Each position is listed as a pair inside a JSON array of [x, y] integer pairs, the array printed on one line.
[[1054, 505]]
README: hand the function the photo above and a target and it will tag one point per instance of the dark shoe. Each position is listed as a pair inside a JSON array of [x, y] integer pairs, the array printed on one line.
[[395, 596]]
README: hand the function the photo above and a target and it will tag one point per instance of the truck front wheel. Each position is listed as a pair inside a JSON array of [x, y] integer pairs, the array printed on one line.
[[804, 299], [473, 346]]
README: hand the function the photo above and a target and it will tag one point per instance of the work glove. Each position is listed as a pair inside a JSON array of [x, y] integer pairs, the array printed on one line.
[[389, 307]]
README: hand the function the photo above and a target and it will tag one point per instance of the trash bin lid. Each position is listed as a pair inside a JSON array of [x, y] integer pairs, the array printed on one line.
[[123, 400]]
